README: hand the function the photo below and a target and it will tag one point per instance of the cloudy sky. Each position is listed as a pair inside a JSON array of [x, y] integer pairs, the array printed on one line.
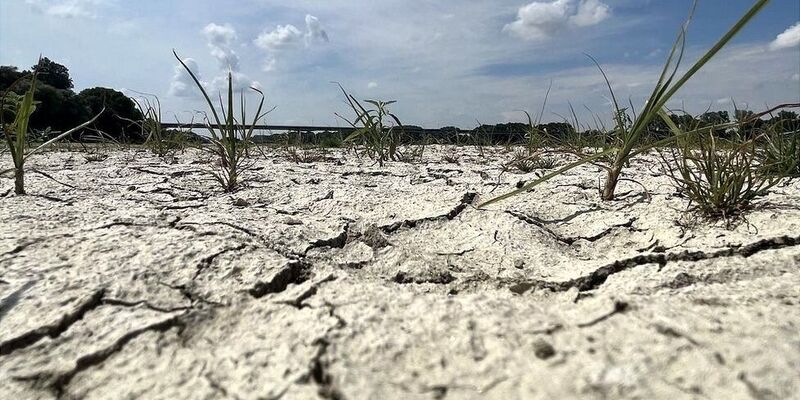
[[446, 62]]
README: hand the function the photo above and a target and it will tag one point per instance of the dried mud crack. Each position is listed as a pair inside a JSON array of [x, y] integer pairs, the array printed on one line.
[[55, 329], [154, 283], [599, 276], [58, 383], [466, 200], [295, 272], [319, 367], [206, 262]]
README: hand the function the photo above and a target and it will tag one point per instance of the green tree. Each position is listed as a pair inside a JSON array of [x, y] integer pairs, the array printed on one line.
[[557, 130], [53, 74], [786, 121], [10, 74], [119, 109], [58, 109]]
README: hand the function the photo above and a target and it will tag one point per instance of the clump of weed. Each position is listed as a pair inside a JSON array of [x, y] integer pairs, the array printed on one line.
[[526, 163], [230, 138], [160, 141], [377, 130], [523, 162], [19, 110], [720, 178], [451, 156], [781, 149], [544, 162], [304, 155]]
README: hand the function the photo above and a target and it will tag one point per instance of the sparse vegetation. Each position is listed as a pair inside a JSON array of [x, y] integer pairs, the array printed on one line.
[[523, 162], [377, 129], [526, 162], [18, 109], [230, 136], [719, 181], [629, 133], [160, 141], [781, 146], [451, 156], [303, 155]]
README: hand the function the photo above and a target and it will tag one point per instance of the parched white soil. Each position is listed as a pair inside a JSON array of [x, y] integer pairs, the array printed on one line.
[[135, 278]]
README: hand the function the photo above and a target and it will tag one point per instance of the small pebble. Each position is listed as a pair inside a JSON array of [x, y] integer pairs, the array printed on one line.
[[292, 221], [543, 350], [241, 203]]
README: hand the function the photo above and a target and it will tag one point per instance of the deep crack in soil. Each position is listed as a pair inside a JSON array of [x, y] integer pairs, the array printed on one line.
[[295, 272], [55, 329], [600, 275]]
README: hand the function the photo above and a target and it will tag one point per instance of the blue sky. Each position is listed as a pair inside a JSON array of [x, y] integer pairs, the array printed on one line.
[[446, 62]]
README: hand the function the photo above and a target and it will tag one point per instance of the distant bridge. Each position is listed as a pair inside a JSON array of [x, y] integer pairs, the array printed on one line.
[[298, 128]]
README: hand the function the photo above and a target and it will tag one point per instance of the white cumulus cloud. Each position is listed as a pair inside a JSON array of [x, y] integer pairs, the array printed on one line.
[[282, 37], [289, 37], [314, 31], [590, 12], [788, 39], [542, 19], [220, 40], [182, 84], [69, 8], [240, 82]]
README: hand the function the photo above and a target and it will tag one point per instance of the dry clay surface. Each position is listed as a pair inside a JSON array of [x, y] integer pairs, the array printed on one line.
[[133, 277]]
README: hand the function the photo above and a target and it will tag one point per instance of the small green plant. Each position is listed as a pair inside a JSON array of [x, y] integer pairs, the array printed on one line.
[[230, 137], [782, 153], [160, 141], [721, 180], [523, 162], [545, 163], [451, 156], [377, 129], [781, 148], [330, 140], [19, 109], [526, 162]]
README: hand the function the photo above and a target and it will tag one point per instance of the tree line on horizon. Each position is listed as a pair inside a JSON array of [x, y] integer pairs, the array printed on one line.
[[60, 108]]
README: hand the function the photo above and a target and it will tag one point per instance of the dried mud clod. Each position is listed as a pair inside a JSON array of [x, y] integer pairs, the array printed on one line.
[[295, 272]]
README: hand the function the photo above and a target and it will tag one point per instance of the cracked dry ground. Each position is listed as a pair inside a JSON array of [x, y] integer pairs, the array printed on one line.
[[340, 280]]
